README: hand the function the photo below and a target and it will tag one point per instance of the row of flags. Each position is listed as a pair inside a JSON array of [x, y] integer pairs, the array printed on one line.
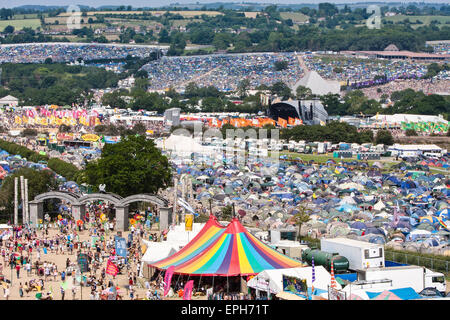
[[313, 278], [254, 122], [48, 112], [52, 120]]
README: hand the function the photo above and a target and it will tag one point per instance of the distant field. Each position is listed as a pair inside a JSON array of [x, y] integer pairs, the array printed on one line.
[[20, 24], [62, 26], [185, 14], [177, 23], [296, 17], [28, 16], [424, 19]]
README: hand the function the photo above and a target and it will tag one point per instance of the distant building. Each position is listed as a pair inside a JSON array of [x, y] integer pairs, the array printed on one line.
[[400, 117], [413, 150], [9, 101], [391, 47], [402, 55], [172, 116]]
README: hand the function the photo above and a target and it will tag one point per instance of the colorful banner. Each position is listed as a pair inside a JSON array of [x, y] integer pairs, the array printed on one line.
[[111, 268], [425, 126], [282, 122], [82, 261], [187, 206], [168, 279], [121, 246], [188, 221], [90, 137], [65, 136], [188, 290], [295, 285]]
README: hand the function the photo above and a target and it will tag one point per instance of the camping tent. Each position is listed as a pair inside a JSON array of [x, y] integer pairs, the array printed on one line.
[[225, 251]]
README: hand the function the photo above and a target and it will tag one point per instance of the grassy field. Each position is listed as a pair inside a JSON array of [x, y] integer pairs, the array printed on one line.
[[185, 14], [296, 17], [19, 24], [28, 16], [63, 26], [424, 19], [183, 23]]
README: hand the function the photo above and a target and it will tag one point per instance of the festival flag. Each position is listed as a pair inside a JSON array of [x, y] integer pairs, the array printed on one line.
[[187, 206], [333, 280], [313, 275], [168, 279], [111, 268], [188, 290], [282, 122]]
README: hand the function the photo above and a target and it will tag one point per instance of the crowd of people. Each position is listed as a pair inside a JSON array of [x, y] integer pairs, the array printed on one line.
[[224, 72], [427, 86], [440, 47], [44, 260], [359, 70]]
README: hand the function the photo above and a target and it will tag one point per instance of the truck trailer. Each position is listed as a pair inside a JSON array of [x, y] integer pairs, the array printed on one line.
[[415, 277], [360, 254]]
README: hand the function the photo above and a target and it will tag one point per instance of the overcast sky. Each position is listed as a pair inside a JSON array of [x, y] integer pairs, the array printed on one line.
[[157, 3]]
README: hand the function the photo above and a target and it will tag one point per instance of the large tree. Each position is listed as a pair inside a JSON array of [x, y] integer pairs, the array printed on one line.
[[132, 166], [39, 181]]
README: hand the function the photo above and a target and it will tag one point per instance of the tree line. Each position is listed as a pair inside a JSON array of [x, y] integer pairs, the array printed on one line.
[[65, 169]]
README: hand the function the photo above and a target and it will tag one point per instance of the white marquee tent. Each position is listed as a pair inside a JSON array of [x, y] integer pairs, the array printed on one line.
[[273, 279], [317, 84]]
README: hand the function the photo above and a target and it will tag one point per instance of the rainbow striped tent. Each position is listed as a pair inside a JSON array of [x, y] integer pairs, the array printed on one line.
[[225, 251]]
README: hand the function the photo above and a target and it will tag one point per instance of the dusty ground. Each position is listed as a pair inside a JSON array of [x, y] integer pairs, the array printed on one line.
[[60, 260]]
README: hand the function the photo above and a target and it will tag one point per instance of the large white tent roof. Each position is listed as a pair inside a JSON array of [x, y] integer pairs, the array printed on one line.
[[178, 235], [401, 117], [180, 143], [317, 84], [158, 250], [273, 279]]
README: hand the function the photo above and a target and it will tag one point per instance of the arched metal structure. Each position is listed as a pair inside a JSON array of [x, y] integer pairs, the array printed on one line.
[[64, 195], [121, 205], [111, 197], [145, 197]]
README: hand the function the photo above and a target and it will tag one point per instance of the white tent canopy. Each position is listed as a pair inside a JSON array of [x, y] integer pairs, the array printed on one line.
[[181, 144], [379, 206], [273, 279], [317, 84], [158, 250], [179, 236]]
